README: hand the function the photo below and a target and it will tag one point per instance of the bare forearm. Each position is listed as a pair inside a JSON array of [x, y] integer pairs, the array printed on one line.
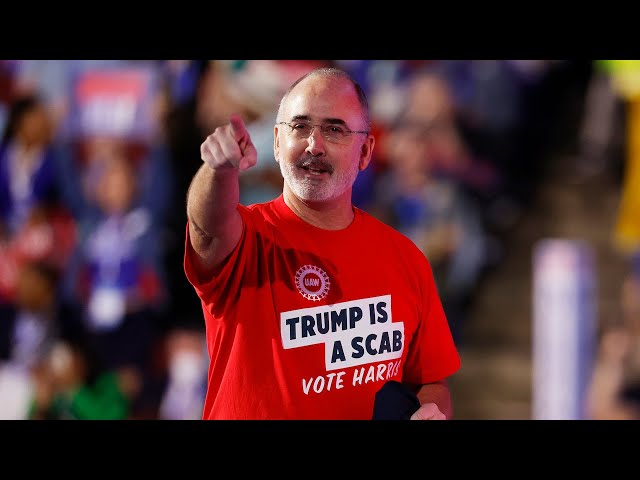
[[215, 225], [212, 198], [212, 201]]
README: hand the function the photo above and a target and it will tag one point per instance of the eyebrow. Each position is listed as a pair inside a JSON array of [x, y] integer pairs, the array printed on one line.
[[328, 121]]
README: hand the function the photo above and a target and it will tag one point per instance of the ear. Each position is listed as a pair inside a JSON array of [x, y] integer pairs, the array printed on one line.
[[366, 151], [276, 144]]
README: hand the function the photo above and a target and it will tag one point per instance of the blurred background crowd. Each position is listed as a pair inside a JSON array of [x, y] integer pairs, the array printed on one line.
[[97, 320]]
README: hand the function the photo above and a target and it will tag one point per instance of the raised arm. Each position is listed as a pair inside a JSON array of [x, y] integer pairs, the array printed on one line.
[[215, 225]]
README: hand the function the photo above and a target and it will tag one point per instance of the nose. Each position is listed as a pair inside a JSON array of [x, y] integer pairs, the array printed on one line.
[[315, 142]]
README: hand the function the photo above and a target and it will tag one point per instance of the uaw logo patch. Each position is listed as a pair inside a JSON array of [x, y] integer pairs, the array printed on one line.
[[312, 282]]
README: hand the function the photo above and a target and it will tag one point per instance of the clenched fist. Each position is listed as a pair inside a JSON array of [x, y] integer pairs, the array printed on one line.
[[229, 146]]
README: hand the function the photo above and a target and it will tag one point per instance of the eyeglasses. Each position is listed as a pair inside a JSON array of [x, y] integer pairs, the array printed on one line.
[[333, 132]]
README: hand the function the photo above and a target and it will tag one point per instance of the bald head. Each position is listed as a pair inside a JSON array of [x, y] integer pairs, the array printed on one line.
[[330, 74]]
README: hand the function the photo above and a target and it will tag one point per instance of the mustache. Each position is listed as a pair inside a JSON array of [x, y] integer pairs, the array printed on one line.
[[315, 163]]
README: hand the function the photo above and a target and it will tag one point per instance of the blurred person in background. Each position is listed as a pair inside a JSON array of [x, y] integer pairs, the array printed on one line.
[[29, 170], [614, 389], [421, 196], [150, 164], [30, 326], [297, 325], [116, 107], [48, 236], [186, 383], [73, 385], [117, 271], [602, 124], [430, 103], [35, 221]]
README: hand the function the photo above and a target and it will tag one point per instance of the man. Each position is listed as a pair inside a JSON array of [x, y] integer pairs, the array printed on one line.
[[310, 304]]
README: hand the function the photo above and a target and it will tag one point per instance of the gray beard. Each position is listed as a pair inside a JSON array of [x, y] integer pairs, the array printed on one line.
[[310, 190]]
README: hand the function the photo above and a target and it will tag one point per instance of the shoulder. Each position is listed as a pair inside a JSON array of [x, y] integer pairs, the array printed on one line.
[[381, 232], [262, 210], [373, 224], [259, 216]]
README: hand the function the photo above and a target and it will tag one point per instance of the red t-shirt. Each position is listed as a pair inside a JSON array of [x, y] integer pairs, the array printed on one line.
[[306, 323]]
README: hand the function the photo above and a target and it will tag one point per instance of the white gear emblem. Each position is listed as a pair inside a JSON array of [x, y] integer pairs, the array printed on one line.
[[312, 282]]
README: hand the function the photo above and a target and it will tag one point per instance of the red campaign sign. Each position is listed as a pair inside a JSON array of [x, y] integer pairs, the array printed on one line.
[[114, 102], [113, 83]]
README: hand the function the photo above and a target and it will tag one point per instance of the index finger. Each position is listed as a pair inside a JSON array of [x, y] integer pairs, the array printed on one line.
[[237, 127]]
